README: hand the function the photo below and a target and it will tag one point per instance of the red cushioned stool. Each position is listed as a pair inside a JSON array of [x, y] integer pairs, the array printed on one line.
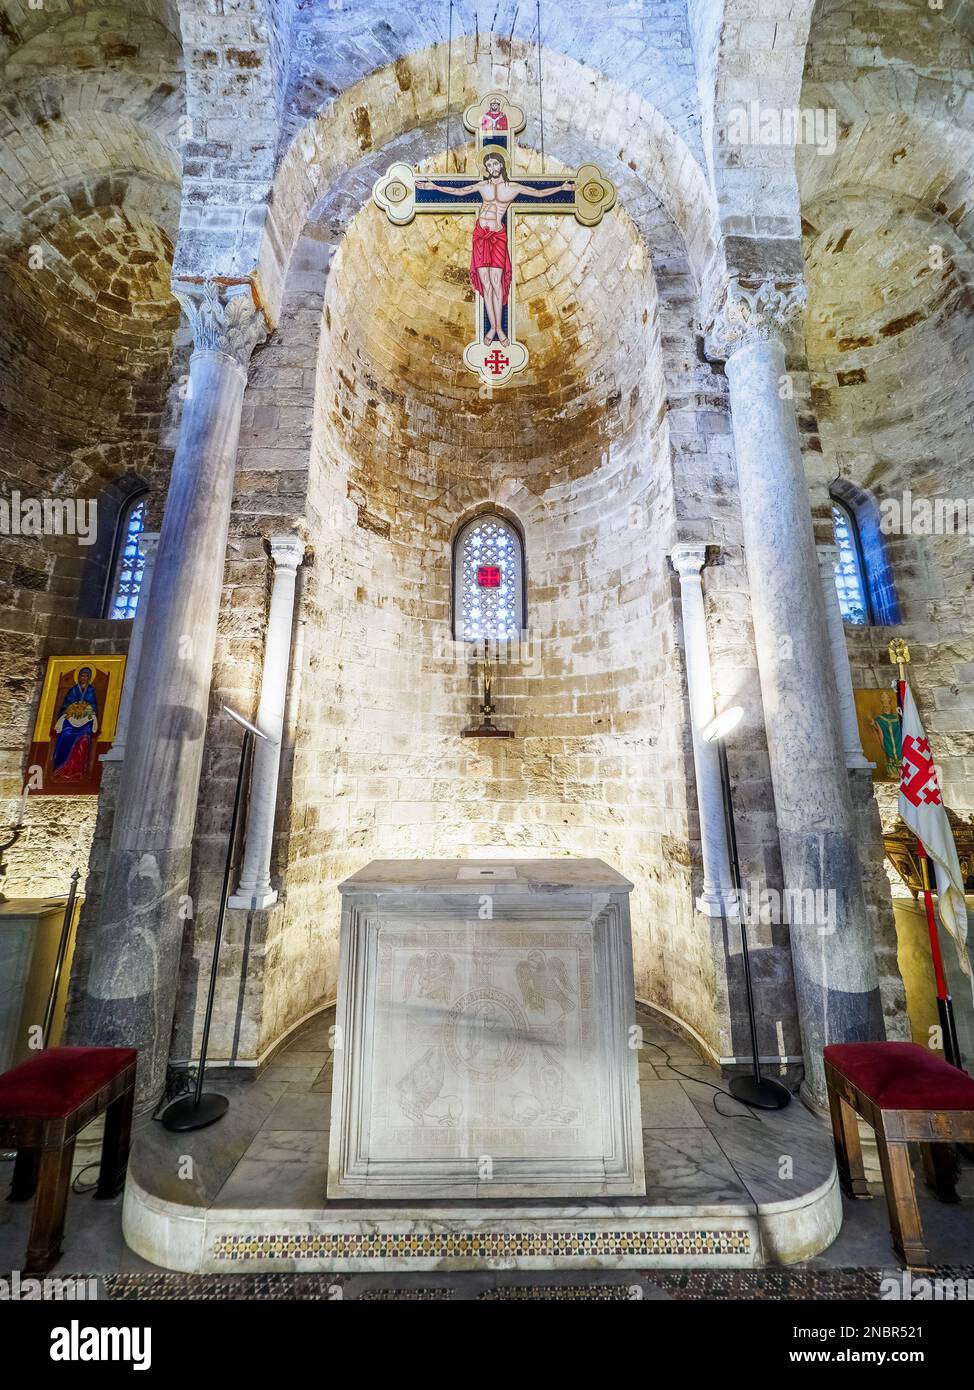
[[44, 1105], [908, 1095]]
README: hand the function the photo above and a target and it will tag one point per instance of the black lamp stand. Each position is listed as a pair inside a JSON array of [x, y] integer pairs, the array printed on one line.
[[763, 1092], [200, 1109]]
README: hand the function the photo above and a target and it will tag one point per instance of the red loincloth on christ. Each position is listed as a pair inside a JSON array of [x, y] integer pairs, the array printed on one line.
[[490, 249]]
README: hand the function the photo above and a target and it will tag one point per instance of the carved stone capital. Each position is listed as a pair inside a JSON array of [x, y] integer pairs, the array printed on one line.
[[752, 313], [224, 318], [828, 557], [287, 551], [148, 544], [688, 558]]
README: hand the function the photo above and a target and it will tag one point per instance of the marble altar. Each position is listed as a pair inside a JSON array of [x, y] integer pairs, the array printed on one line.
[[485, 1041]]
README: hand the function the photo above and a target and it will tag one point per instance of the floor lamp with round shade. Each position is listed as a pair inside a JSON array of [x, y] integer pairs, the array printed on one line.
[[763, 1092], [201, 1108]]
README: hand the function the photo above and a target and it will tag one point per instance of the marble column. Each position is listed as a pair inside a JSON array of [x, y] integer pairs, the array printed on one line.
[[828, 558], [717, 897], [254, 889], [148, 546], [832, 954], [129, 995]]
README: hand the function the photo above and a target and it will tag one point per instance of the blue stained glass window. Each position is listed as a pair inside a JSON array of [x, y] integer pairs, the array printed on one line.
[[129, 563], [850, 575]]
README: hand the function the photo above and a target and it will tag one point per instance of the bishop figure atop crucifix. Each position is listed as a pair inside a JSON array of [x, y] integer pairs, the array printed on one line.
[[496, 198]]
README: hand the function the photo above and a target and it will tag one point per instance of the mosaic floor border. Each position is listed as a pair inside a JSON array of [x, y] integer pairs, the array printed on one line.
[[482, 1245]]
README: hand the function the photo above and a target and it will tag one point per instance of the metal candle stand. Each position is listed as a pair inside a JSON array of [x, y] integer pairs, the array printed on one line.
[[203, 1108]]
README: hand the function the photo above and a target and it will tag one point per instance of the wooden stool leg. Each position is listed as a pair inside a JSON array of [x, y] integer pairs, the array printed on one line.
[[115, 1145], [23, 1185], [47, 1225], [941, 1170], [848, 1149], [901, 1202]]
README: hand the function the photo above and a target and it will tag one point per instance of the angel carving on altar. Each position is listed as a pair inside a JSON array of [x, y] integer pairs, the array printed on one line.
[[540, 980]]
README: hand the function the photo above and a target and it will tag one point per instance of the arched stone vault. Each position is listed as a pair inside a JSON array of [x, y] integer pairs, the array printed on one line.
[[89, 211], [293, 111], [614, 444], [629, 135]]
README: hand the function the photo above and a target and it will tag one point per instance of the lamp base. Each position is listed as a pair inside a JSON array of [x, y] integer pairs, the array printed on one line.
[[761, 1092], [186, 1113]]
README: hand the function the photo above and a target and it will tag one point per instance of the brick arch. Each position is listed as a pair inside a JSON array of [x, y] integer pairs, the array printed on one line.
[[754, 188], [921, 165], [98, 145], [657, 159], [51, 75], [28, 23], [803, 62]]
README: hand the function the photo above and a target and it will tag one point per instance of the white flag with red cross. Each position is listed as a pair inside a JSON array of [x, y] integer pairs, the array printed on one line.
[[922, 807]]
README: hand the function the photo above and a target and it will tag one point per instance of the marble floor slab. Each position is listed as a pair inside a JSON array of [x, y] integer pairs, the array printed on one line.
[[686, 1166], [711, 1173], [694, 1152], [666, 1105]]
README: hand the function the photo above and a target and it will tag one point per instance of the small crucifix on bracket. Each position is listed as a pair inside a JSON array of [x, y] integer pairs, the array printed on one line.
[[496, 199]]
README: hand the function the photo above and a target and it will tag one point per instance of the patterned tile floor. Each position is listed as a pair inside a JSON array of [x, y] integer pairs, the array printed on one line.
[[840, 1285]]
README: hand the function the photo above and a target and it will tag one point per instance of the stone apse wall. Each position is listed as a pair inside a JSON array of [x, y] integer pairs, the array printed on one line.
[[611, 447], [361, 433]]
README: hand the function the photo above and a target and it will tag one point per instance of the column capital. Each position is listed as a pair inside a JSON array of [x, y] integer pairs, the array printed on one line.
[[828, 555], [287, 551], [688, 558], [750, 311], [224, 318]]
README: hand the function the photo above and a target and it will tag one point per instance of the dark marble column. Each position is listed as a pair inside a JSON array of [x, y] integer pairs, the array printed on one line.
[[833, 957], [130, 992]]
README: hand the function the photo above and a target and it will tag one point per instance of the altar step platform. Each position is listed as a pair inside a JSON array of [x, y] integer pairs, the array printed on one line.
[[738, 1190]]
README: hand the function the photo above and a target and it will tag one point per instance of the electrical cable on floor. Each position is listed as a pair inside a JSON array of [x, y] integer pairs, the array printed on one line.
[[88, 1186], [718, 1090], [179, 1082]]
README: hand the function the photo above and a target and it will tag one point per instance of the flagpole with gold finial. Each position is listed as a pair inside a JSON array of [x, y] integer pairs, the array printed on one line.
[[899, 654]]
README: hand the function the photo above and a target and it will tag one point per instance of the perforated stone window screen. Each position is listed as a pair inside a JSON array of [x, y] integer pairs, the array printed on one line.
[[488, 566], [850, 577], [129, 562]]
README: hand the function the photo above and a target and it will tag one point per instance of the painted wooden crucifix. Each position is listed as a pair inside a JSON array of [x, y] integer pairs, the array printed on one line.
[[496, 199]]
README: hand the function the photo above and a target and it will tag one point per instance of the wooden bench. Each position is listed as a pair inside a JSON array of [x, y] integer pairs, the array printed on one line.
[[44, 1104], [908, 1095]]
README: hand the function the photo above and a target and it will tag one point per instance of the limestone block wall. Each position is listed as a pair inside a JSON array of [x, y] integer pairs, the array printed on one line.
[[347, 403], [888, 338], [88, 212], [888, 235]]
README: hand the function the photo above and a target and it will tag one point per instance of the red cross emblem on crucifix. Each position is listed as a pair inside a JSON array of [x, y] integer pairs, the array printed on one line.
[[495, 362], [496, 199], [918, 776]]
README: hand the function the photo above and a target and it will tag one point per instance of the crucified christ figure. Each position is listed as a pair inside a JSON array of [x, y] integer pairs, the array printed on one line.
[[490, 259]]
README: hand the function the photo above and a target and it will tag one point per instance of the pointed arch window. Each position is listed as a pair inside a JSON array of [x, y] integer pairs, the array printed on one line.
[[850, 572], [488, 580], [129, 560]]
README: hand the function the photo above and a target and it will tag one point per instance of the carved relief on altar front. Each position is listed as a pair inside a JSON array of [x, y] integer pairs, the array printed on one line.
[[483, 1046]]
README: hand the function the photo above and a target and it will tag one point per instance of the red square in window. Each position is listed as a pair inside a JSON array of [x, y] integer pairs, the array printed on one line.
[[488, 577]]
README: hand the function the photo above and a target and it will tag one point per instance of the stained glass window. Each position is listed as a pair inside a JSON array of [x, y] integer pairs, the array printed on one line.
[[489, 581], [850, 575], [129, 562]]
